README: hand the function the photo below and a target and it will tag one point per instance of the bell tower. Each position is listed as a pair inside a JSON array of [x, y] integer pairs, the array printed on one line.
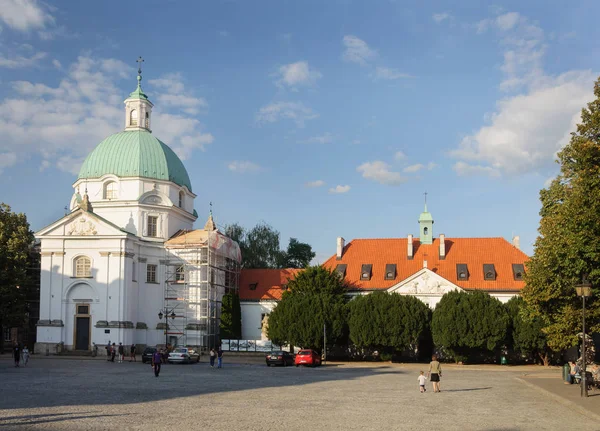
[[138, 109], [426, 225]]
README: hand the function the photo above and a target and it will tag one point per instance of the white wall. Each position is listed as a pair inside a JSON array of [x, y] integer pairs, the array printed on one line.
[[251, 317]]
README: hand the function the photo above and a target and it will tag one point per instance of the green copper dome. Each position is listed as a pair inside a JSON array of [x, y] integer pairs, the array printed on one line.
[[135, 153]]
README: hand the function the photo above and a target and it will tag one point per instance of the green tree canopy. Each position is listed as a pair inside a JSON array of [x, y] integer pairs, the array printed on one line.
[[231, 317], [314, 298], [16, 240], [387, 321], [526, 334], [298, 255], [469, 323], [568, 245]]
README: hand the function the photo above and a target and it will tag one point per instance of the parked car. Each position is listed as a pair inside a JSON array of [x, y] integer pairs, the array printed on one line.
[[147, 354], [308, 357], [183, 355], [280, 357]]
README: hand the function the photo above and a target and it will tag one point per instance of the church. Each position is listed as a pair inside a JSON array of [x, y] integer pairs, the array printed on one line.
[[125, 265], [426, 267]]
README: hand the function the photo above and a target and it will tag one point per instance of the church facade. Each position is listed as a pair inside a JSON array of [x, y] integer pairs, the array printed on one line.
[[105, 265], [426, 267]]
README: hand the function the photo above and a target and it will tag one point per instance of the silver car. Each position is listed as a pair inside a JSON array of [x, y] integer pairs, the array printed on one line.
[[183, 355]]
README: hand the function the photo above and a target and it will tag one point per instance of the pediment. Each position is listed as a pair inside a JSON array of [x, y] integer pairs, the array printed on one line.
[[424, 282], [81, 224], [154, 197]]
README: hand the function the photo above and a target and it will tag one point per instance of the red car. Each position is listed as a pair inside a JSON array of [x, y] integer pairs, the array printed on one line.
[[307, 357]]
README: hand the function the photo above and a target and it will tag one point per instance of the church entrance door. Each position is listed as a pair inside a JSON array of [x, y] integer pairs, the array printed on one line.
[[82, 339]]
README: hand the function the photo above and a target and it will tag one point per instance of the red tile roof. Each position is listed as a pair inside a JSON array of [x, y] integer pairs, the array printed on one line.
[[269, 283], [475, 252]]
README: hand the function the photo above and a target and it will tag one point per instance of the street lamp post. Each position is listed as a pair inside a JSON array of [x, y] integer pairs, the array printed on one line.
[[160, 316], [584, 290]]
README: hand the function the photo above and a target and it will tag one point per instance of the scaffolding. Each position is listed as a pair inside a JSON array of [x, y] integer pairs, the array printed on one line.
[[201, 266]]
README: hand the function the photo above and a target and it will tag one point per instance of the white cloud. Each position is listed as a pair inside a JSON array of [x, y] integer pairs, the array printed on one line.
[[439, 17], [389, 74], [357, 50], [464, 169], [56, 64], [19, 61], [414, 168], [326, 138], [173, 94], [399, 155], [339, 189], [276, 111], [84, 108], [431, 166], [534, 122], [7, 160], [24, 15], [548, 182], [317, 183], [296, 74], [379, 171], [243, 167]]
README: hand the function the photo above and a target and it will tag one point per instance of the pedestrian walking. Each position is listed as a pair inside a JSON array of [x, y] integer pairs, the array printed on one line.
[[121, 353], [434, 373], [422, 379], [108, 351], [132, 353], [156, 361], [25, 355], [213, 354], [17, 353], [219, 358], [113, 352]]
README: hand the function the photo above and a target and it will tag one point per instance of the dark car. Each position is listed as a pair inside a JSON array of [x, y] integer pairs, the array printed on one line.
[[280, 357], [147, 354]]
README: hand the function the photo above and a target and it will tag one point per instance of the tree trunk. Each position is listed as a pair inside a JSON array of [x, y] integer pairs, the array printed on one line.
[[545, 359]]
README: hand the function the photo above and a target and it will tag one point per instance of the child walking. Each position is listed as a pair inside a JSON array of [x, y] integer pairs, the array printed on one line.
[[422, 380]]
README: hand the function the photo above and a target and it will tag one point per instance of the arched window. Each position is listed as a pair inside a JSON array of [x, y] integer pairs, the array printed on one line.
[[425, 231], [147, 121], [181, 194], [83, 267], [110, 190], [133, 118]]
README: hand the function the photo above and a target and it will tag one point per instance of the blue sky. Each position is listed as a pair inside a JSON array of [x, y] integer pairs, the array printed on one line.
[[323, 119]]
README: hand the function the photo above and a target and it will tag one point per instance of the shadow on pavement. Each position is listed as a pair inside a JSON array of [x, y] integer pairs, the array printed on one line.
[[78, 383], [46, 418], [467, 389]]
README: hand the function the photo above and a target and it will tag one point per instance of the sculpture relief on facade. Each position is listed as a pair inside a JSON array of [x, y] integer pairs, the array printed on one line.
[[81, 227]]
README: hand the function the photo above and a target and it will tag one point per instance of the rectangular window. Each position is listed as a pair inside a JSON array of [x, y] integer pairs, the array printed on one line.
[[153, 226], [133, 274], [150, 273], [6, 334], [180, 274], [83, 309]]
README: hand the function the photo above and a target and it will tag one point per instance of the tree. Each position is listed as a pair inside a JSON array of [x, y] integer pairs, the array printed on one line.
[[388, 322], [16, 240], [231, 317], [469, 323], [259, 246], [315, 298], [568, 245], [298, 255], [526, 335]]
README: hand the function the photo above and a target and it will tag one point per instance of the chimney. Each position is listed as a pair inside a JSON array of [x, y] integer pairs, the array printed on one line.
[[516, 242], [442, 246], [409, 249], [341, 242]]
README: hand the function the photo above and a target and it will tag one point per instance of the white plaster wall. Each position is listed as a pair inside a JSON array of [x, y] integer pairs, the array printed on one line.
[[251, 317]]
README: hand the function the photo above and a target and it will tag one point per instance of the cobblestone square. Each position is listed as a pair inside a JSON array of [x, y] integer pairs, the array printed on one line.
[[74, 394]]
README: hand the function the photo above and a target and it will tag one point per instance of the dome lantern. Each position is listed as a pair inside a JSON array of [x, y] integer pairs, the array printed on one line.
[[138, 109]]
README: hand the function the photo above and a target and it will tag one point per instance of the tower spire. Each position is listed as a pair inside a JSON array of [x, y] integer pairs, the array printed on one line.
[[426, 225], [138, 108]]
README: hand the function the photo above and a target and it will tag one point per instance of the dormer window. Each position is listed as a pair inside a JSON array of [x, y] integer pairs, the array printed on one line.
[[462, 272], [489, 272], [110, 190], [284, 286], [253, 286], [133, 118], [341, 269], [390, 271], [181, 199], [518, 271], [365, 271]]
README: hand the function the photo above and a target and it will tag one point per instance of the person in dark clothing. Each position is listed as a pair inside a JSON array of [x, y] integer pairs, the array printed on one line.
[[17, 354], [108, 351], [156, 360], [121, 353], [113, 352], [132, 353], [219, 358], [213, 354]]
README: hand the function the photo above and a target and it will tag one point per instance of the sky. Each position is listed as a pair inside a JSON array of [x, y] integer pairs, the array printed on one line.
[[322, 119]]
